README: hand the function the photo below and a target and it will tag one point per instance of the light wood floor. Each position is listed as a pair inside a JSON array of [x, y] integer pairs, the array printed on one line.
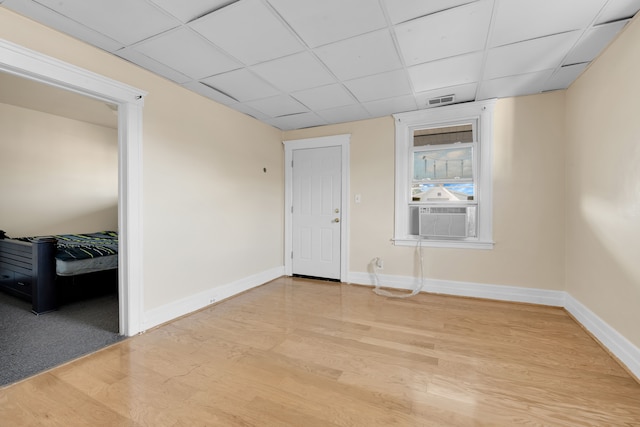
[[306, 353]]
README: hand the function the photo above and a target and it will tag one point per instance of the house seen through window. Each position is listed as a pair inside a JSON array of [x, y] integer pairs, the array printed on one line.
[[443, 164]]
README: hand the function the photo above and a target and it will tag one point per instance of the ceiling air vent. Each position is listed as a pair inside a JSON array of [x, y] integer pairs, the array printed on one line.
[[441, 100]]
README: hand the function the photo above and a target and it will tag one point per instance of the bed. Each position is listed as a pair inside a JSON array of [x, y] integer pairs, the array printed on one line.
[[35, 268]]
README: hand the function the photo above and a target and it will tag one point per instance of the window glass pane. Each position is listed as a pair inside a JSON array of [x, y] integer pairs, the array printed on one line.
[[444, 164], [421, 192], [443, 135]]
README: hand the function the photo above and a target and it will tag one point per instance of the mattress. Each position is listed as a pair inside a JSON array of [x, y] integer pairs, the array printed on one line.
[[87, 265], [84, 253]]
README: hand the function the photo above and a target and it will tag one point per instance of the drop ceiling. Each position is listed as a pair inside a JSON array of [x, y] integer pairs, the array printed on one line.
[[302, 63]]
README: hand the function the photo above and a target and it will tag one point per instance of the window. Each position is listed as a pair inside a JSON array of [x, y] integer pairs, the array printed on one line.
[[443, 176]]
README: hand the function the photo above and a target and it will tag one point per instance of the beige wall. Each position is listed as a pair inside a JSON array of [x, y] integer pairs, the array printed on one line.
[[57, 176], [210, 214], [528, 199], [603, 186]]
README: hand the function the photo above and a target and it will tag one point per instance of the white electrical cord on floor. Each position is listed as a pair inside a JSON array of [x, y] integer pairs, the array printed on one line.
[[376, 262]]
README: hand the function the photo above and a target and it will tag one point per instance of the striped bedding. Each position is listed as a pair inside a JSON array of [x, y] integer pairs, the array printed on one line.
[[83, 246]]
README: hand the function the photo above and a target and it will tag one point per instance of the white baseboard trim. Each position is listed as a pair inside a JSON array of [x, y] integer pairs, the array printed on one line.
[[618, 345], [192, 303], [466, 289]]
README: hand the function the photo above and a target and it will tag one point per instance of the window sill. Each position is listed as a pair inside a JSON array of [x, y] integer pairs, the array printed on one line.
[[457, 244]]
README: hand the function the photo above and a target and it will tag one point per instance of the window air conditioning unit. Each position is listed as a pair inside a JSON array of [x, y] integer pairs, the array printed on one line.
[[447, 221]]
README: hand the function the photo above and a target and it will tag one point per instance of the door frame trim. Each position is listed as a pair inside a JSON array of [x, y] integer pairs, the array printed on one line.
[[343, 141], [27, 63]]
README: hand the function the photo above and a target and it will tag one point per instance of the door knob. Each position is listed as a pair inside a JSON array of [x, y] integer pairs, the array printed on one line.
[[336, 220]]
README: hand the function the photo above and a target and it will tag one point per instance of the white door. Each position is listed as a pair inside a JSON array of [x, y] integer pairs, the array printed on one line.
[[317, 210]]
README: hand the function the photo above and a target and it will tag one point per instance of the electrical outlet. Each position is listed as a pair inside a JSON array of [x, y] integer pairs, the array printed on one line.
[[212, 300]]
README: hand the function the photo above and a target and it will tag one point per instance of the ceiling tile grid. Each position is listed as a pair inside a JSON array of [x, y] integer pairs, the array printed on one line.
[[241, 85], [278, 106], [187, 52], [360, 56], [529, 56], [248, 31], [301, 63], [457, 70], [519, 20], [187, 11], [122, 20], [445, 34], [323, 22], [325, 97]]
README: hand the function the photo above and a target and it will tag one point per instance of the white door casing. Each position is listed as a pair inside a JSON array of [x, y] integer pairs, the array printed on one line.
[[317, 209], [316, 245], [23, 62]]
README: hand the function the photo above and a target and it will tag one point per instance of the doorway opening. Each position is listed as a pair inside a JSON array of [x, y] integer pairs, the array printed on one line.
[[129, 101]]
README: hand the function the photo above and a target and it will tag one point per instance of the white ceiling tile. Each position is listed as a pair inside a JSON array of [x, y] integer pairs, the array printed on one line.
[[454, 71], [462, 93], [248, 110], [187, 11], [324, 97], [401, 11], [152, 65], [127, 21], [211, 93], [347, 113], [361, 56], [525, 84], [187, 52], [344, 59], [380, 86], [241, 85], [563, 77], [618, 9], [277, 106], [518, 20], [529, 56], [327, 21], [61, 23], [385, 107], [249, 31], [445, 34], [295, 72], [297, 121], [593, 42]]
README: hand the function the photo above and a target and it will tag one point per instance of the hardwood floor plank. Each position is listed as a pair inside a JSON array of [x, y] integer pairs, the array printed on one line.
[[298, 352]]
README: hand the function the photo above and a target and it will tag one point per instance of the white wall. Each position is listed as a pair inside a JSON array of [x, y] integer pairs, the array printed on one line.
[[528, 200], [603, 186], [211, 216], [565, 174], [57, 175]]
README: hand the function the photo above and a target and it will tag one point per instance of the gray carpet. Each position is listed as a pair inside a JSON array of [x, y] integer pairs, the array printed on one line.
[[30, 344]]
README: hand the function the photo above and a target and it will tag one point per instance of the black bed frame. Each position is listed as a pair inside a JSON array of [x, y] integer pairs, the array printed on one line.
[[28, 271]]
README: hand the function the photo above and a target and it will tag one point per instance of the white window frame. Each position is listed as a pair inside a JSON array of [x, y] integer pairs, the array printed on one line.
[[406, 123]]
